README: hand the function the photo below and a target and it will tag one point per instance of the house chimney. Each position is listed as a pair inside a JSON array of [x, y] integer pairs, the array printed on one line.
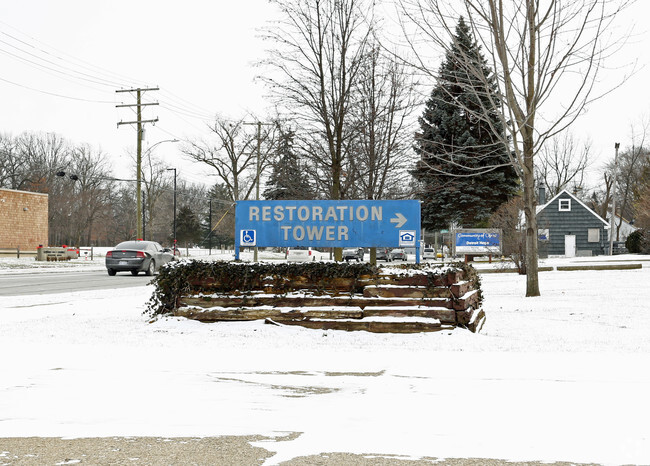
[[542, 195]]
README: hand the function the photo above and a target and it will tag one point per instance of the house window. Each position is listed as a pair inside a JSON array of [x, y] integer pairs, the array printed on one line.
[[593, 235], [565, 205]]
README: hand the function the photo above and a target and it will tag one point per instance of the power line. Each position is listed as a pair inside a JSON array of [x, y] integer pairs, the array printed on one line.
[[90, 66], [95, 79], [181, 111], [55, 94], [100, 76], [26, 60], [148, 183], [176, 98]]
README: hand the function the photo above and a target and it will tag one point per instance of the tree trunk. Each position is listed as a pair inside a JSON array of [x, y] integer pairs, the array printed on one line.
[[336, 194], [530, 211]]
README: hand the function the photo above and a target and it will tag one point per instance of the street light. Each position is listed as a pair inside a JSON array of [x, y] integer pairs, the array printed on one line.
[[72, 177], [257, 176], [611, 218], [138, 187], [174, 209]]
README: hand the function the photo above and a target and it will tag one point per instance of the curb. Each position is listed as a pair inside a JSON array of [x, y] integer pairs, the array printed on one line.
[[565, 268], [569, 268]]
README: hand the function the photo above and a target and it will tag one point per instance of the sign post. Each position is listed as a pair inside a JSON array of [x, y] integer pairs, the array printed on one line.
[[327, 224]]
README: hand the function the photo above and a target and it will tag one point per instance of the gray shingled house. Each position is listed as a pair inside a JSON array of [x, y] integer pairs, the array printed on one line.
[[567, 227]]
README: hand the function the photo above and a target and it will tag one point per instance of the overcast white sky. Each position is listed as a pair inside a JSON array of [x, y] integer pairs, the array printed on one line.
[[200, 54]]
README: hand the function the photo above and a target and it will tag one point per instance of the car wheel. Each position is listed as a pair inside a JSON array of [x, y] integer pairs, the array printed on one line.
[[111, 272], [151, 269], [134, 272]]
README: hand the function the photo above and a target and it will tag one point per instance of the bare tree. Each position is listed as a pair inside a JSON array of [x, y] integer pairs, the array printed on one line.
[[631, 169], [318, 55], [385, 99], [600, 199], [122, 225], [156, 182], [36, 160], [233, 154], [11, 165], [508, 219], [562, 163], [642, 208], [91, 187], [547, 56], [40, 156]]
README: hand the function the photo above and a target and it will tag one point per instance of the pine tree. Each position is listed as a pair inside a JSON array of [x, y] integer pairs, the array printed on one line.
[[188, 228], [287, 181], [464, 172]]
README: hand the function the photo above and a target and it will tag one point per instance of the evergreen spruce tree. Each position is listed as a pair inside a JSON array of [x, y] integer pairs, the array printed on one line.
[[463, 171], [188, 228], [287, 180]]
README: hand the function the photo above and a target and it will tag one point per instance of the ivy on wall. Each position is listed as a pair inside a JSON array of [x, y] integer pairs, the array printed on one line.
[[194, 277]]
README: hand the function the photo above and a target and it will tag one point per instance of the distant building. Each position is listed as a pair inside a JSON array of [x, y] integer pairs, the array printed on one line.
[[567, 227], [23, 219], [624, 231]]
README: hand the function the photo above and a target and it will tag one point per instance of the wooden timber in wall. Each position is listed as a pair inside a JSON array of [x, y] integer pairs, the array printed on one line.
[[387, 303]]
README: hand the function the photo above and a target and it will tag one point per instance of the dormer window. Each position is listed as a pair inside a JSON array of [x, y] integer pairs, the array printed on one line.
[[564, 205]]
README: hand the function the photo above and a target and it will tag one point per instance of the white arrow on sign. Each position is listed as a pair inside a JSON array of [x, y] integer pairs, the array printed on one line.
[[399, 220]]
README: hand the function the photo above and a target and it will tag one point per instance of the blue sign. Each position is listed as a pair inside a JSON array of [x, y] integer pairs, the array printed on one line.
[[478, 241], [357, 223]]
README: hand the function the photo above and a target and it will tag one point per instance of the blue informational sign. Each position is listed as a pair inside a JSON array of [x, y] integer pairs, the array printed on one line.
[[476, 241], [357, 223]]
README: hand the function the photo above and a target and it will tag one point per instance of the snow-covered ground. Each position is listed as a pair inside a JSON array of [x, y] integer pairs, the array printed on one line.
[[561, 377]]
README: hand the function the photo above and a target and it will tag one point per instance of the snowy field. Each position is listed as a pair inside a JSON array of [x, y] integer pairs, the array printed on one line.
[[561, 377]]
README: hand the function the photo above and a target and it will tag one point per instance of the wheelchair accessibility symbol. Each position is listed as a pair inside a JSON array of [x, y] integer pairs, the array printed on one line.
[[248, 238]]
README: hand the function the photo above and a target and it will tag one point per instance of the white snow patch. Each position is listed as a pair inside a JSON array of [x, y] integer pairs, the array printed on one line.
[[561, 377]]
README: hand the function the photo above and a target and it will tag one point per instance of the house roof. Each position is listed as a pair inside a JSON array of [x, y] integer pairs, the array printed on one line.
[[540, 208]]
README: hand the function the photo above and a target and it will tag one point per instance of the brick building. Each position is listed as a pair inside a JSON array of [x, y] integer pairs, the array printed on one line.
[[23, 219]]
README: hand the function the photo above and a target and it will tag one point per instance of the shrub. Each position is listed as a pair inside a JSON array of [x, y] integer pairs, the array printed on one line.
[[638, 242]]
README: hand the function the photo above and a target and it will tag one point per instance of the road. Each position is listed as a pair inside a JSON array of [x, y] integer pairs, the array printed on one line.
[[63, 281]]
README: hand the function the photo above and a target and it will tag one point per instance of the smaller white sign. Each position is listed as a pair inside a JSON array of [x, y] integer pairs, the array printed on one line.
[[407, 238], [248, 238], [543, 234]]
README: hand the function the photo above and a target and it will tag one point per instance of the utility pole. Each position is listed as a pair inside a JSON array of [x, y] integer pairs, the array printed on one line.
[[144, 215], [174, 209], [210, 228], [611, 218], [139, 122], [257, 176]]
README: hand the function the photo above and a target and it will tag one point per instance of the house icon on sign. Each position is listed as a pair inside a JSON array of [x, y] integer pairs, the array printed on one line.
[[407, 238]]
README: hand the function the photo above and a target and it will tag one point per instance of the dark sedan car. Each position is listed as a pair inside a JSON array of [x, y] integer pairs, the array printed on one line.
[[353, 254], [383, 254], [398, 255], [136, 257]]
